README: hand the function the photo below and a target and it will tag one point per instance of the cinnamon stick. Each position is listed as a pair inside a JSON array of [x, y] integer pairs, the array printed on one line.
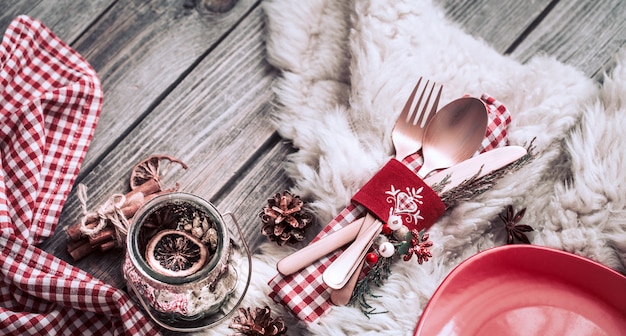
[[103, 241], [81, 250], [72, 245], [102, 237], [108, 246], [83, 247], [134, 200], [80, 246]]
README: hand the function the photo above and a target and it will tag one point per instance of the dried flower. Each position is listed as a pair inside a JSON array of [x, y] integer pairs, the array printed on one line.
[[284, 218], [515, 230], [257, 323], [419, 245]]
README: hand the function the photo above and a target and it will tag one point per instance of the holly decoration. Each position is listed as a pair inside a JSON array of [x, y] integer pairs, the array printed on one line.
[[416, 243], [386, 249], [371, 258], [386, 230], [419, 245], [393, 245]]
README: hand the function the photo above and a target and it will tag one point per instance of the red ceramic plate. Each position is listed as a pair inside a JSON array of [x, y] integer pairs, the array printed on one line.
[[527, 290]]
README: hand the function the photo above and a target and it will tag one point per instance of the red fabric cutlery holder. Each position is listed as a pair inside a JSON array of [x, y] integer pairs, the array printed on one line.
[[397, 190]]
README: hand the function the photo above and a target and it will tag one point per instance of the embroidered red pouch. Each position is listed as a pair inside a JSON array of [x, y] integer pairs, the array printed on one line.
[[397, 190]]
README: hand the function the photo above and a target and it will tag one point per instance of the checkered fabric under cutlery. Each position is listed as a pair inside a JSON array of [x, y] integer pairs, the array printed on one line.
[[304, 292]]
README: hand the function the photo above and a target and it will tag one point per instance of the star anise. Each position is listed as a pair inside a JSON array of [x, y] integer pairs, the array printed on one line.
[[419, 245], [515, 230], [257, 323], [284, 218]]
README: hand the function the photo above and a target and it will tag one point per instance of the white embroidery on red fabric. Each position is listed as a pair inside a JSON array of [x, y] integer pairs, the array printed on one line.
[[406, 203]]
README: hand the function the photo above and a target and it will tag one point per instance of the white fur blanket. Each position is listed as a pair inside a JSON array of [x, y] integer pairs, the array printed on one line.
[[346, 70]]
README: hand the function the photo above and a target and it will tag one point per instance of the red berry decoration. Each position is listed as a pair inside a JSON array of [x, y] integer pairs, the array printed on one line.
[[371, 258], [386, 229]]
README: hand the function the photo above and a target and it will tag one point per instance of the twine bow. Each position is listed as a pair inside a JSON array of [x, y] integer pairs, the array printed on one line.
[[110, 211]]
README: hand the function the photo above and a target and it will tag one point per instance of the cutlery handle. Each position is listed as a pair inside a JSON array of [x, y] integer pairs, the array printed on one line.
[[479, 165], [339, 272], [314, 251], [341, 297]]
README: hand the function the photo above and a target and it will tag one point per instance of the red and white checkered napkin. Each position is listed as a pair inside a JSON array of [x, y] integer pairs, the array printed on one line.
[[50, 100], [304, 292]]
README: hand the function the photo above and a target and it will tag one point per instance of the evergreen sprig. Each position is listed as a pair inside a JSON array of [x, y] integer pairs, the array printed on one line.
[[475, 186], [376, 277], [468, 189]]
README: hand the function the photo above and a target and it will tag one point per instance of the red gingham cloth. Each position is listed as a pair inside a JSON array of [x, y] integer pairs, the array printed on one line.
[[304, 292], [50, 100]]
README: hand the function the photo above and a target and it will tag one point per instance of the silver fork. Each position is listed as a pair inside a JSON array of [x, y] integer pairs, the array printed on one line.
[[407, 139]]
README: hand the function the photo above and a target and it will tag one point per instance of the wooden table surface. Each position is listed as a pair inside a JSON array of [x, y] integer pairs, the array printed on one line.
[[195, 84]]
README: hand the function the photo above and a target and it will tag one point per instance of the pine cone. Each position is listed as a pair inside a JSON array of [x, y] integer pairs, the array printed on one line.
[[259, 323], [284, 218]]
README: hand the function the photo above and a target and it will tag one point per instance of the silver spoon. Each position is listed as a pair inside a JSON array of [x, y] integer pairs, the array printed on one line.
[[453, 134]]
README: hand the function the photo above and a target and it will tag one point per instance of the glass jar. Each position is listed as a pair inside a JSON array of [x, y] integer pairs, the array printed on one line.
[[162, 232]]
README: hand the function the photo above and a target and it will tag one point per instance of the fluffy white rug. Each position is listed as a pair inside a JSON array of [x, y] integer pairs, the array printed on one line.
[[346, 70]]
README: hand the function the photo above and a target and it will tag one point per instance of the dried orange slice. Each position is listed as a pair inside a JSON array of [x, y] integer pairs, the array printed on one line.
[[152, 168], [175, 253]]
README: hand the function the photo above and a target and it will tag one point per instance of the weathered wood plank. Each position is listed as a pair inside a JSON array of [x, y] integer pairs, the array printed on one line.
[[141, 50], [216, 120], [182, 83], [223, 104], [10, 9], [584, 34], [247, 197], [66, 18], [499, 23]]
